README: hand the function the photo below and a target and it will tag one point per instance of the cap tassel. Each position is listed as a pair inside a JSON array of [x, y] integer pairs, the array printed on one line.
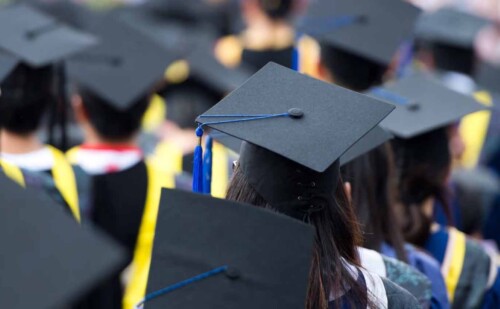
[[296, 55], [198, 164], [207, 166], [405, 59]]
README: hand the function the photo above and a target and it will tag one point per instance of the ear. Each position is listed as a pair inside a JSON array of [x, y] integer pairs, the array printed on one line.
[[348, 191], [79, 109]]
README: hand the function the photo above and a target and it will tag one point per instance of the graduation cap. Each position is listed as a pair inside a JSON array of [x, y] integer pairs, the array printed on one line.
[[422, 104], [488, 76], [373, 29], [449, 26], [123, 68], [292, 124], [7, 63], [38, 39], [233, 256], [48, 261]]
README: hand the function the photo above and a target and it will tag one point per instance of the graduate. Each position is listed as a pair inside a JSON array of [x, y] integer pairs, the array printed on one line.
[[30, 63], [269, 35], [425, 111], [359, 65], [114, 81]]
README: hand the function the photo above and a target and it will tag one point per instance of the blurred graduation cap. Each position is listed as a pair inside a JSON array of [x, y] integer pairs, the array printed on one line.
[[233, 256], [373, 29], [422, 104], [123, 68], [449, 26], [488, 76], [38, 39], [48, 261], [376, 137], [298, 117]]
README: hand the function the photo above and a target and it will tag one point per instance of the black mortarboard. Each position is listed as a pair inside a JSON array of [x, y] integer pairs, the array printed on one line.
[[449, 26], [296, 128], [422, 104], [38, 39], [254, 258], [48, 261], [488, 76], [327, 119], [123, 68], [369, 28]]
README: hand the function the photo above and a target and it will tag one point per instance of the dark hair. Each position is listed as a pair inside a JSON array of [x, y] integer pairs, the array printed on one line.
[[26, 95], [374, 198], [111, 123], [277, 9], [453, 58], [337, 234], [349, 70], [423, 164], [188, 100]]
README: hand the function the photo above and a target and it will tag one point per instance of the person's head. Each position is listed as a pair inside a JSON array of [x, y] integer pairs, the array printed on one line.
[[106, 121], [267, 180], [373, 195], [453, 58], [423, 166], [274, 10], [349, 70], [188, 100], [26, 94]]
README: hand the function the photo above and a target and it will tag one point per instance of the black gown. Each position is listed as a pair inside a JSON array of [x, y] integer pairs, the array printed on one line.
[[117, 202], [256, 59]]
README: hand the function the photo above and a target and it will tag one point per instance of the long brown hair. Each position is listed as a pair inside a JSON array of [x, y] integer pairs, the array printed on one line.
[[423, 164], [374, 198], [337, 234]]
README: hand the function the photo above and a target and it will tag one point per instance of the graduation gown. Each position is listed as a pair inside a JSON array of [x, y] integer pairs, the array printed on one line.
[[117, 202], [428, 266], [471, 275], [382, 292], [398, 272]]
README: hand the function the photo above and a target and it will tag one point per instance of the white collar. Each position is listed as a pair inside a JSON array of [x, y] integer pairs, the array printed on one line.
[[35, 161]]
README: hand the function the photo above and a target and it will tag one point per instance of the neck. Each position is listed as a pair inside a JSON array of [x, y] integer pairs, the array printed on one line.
[[18, 144]]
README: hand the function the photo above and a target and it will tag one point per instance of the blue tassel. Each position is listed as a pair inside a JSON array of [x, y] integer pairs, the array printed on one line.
[[296, 57], [405, 59], [207, 166], [198, 164]]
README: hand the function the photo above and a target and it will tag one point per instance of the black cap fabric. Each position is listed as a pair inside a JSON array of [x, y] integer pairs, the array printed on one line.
[[449, 26], [123, 68], [370, 141], [376, 30], [48, 261], [38, 39], [267, 255], [488, 76], [422, 104], [321, 121]]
